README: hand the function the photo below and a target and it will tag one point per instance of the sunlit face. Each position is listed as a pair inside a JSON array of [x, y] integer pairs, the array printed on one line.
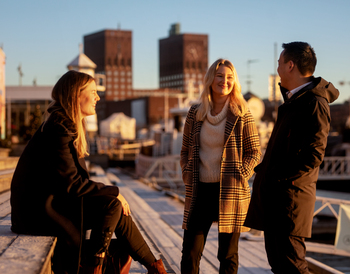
[[223, 82], [282, 70], [88, 99]]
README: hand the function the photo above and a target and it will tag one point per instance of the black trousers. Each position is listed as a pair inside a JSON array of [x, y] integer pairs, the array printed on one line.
[[104, 215], [285, 253], [206, 211]]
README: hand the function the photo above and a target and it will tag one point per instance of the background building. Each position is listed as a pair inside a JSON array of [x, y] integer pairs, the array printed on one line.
[[183, 60], [111, 51], [274, 88]]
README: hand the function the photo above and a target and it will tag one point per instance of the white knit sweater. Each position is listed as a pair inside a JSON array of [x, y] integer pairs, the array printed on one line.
[[211, 146]]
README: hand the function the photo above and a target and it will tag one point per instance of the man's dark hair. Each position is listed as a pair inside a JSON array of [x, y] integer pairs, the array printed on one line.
[[302, 54]]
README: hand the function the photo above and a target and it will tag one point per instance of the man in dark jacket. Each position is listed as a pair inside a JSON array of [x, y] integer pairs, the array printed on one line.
[[284, 189]]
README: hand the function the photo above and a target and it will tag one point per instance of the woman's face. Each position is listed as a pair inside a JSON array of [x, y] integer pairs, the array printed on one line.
[[88, 99], [223, 82]]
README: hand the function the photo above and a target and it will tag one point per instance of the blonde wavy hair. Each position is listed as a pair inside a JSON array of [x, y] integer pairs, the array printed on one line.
[[65, 95], [238, 104]]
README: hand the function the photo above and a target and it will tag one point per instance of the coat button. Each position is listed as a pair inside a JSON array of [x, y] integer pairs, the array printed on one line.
[[223, 158]]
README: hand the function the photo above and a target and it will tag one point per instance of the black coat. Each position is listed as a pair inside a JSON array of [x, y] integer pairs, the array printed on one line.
[[49, 175], [284, 189]]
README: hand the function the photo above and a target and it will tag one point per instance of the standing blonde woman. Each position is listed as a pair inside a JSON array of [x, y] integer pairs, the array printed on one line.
[[52, 194], [219, 152]]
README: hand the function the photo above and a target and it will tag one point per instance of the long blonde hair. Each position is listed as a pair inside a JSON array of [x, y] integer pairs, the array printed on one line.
[[238, 104], [65, 95]]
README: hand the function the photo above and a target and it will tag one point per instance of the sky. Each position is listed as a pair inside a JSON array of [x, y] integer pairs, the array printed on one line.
[[44, 35]]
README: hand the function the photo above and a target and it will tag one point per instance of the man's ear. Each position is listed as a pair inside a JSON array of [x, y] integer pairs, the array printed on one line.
[[291, 65]]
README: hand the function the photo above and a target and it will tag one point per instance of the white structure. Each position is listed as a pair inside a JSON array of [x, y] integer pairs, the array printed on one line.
[[82, 63], [274, 88], [118, 125]]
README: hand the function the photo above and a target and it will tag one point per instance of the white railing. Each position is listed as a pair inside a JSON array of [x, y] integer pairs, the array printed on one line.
[[331, 204], [162, 171], [335, 168]]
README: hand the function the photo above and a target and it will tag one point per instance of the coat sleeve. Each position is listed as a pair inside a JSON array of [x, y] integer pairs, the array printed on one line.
[[186, 139], [251, 146], [68, 175], [314, 141]]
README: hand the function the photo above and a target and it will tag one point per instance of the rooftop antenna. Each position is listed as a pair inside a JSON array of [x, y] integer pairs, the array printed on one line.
[[81, 48], [118, 27], [248, 76], [20, 74]]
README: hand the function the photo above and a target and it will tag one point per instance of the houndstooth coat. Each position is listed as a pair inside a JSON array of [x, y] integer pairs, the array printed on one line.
[[240, 155]]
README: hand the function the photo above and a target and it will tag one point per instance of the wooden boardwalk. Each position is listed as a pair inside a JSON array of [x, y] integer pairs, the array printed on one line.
[[160, 218]]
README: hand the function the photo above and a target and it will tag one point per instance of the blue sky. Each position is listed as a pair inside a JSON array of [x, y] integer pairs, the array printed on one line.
[[44, 35]]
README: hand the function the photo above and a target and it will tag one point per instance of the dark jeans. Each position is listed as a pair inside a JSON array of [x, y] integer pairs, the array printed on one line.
[[104, 215], [205, 212], [285, 253]]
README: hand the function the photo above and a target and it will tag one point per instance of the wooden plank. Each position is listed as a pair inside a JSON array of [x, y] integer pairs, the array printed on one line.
[[26, 254], [113, 178], [325, 249], [5, 181], [5, 196], [6, 235], [167, 240], [320, 268], [5, 209]]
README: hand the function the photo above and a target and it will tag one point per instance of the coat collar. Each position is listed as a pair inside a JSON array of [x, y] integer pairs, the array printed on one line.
[[230, 124]]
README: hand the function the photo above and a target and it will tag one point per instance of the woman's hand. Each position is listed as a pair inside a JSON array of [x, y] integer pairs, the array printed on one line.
[[125, 205]]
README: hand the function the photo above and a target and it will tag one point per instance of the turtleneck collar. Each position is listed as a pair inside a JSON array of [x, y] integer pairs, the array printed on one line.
[[219, 117]]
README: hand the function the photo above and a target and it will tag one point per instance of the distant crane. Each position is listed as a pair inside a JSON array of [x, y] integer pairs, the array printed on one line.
[[248, 70], [20, 74]]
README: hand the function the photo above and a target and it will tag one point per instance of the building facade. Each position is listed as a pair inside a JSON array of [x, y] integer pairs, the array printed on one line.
[[111, 51], [183, 60]]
